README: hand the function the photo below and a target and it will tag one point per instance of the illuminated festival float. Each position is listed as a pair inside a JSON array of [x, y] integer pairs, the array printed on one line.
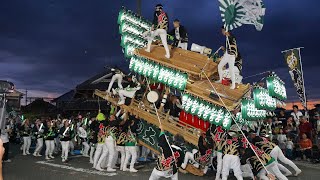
[[188, 75]]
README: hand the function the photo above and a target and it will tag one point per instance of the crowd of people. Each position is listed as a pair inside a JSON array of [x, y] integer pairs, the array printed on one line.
[[296, 134]]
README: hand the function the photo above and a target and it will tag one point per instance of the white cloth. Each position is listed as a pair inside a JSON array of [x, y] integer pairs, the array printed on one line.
[[273, 169], [115, 77], [86, 148], [231, 162], [189, 157], [4, 136], [92, 150], [183, 45], [277, 154], [289, 145], [65, 149], [39, 146], [296, 117], [102, 150], [219, 164], [97, 154], [122, 151], [131, 151], [156, 174], [82, 133], [110, 144], [49, 147], [163, 35], [246, 171], [26, 144], [230, 60]]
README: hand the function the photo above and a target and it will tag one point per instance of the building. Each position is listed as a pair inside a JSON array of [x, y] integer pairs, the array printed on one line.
[[14, 100], [82, 99]]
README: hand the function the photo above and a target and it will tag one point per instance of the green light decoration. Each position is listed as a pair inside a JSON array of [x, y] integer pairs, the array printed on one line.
[[250, 112], [131, 28], [162, 74], [276, 87], [132, 38], [127, 15], [262, 99], [129, 49], [239, 119]]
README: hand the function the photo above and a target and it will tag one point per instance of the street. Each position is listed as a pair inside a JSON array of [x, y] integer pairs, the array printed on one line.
[[31, 168]]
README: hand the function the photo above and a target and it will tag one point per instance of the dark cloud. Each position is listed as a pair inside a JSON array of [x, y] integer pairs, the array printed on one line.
[[51, 46]]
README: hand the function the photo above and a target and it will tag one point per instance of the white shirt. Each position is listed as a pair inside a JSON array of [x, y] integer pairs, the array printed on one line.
[[177, 33], [289, 145], [281, 138], [296, 117]]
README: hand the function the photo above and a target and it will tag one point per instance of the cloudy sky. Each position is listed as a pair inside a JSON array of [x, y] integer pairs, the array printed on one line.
[[50, 46]]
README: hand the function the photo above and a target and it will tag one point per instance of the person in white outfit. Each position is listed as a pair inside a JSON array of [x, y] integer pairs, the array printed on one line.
[[117, 75], [5, 139], [101, 150], [129, 91], [130, 147], [84, 139], [49, 134], [159, 28], [26, 135], [229, 57], [38, 130], [65, 137], [180, 35]]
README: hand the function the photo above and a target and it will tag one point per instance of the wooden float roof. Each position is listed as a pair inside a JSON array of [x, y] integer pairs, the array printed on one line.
[[183, 60]]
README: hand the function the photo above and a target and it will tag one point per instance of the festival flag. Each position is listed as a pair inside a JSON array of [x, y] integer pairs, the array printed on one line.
[[235, 13], [293, 60]]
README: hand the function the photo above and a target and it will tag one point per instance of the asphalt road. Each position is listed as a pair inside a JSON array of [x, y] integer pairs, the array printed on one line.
[[78, 168]]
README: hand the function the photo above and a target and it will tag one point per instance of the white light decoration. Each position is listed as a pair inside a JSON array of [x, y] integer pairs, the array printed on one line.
[[250, 112], [131, 28], [263, 100], [126, 15], [276, 87]]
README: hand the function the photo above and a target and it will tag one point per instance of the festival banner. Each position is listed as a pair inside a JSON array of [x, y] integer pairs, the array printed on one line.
[[293, 60], [250, 112], [262, 99], [148, 134]]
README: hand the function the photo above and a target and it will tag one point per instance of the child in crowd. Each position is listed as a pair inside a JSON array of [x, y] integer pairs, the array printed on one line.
[[289, 148], [282, 138]]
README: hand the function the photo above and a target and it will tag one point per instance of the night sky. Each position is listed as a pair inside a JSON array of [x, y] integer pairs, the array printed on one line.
[[50, 46]]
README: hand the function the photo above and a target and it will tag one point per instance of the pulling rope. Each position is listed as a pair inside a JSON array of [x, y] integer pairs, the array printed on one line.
[[257, 74], [235, 122]]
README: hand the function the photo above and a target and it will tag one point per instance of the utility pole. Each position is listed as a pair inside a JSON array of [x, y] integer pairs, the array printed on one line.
[[26, 92], [139, 7]]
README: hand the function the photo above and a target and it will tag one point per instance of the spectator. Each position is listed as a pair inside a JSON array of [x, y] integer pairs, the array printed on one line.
[[290, 127], [317, 126], [305, 127], [305, 148], [5, 139], [296, 114], [289, 148], [282, 138], [283, 118]]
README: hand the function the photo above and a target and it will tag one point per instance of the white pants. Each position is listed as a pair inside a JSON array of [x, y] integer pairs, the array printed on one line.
[[115, 77], [71, 146], [144, 152], [283, 169], [277, 154], [155, 175], [189, 156], [231, 162], [122, 151], [230, 60], [92, 150], [183, 45], [39, 146], [131, 151], [49, 147], [273, 169], [100, 155], [246, 171], [124, 93], [219, 164], [57, 144], [163, 35], [110, 144], [26, 144], [86, 148], [65, 149]]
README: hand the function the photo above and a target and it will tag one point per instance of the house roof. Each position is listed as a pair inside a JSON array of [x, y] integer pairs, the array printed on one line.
[[100, 81], [16, 93], [65, 97]]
